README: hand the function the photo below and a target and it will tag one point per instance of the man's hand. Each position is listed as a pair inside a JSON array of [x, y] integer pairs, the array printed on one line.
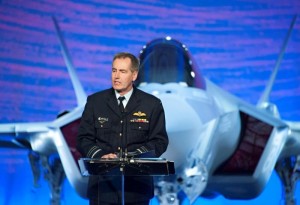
[[109, 156]]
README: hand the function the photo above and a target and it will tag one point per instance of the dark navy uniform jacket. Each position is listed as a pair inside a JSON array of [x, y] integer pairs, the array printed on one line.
[[103, 129]]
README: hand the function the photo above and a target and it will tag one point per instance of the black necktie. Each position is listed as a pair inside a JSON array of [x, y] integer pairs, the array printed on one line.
[[121, 106]]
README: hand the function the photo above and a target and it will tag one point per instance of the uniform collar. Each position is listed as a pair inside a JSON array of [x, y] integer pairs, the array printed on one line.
[[127, 96]]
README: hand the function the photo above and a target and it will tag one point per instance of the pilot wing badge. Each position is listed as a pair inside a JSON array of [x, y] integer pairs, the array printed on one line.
[[139, 114], [139, 117]]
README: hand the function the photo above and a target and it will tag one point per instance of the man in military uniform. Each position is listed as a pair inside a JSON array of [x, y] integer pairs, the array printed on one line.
[[122, 119]]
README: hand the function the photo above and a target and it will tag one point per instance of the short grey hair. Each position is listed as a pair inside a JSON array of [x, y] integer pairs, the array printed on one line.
[[135, 63]]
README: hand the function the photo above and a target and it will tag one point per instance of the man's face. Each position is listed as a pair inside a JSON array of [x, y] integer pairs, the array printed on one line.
[[122, 77]]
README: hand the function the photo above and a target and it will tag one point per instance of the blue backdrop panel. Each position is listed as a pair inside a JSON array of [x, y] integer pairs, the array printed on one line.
[[235, 44]]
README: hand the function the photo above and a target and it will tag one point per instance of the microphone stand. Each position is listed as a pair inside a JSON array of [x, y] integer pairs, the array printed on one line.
[[124, 154]]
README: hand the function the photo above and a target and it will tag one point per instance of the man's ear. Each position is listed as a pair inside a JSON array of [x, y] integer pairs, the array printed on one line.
[[135, 74]]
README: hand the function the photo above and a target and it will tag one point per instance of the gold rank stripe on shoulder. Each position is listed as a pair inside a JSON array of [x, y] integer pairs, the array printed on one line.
[[139, 114], [139, 120]]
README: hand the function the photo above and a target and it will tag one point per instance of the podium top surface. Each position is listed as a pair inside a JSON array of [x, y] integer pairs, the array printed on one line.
[[128, 167]]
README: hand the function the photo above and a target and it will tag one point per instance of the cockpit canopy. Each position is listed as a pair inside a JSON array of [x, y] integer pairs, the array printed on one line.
[[166, 60]]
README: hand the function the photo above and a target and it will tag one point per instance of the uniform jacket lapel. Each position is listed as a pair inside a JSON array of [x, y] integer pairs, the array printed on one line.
[[133, 102], [112, 103]]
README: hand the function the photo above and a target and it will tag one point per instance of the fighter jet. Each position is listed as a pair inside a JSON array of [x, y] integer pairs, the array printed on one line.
[[220, 144]]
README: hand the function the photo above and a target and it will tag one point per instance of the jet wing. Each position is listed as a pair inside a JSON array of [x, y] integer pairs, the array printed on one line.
[[48, 138], [19, 135]]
